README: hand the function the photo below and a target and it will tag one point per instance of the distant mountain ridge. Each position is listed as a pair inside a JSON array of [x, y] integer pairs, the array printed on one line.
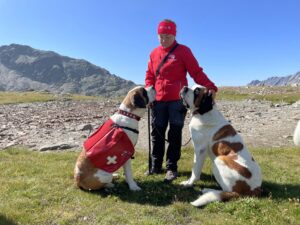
[[25, 68], [291, 80]]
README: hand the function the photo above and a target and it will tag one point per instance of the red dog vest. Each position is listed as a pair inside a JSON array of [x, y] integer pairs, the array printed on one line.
[[109, 147]]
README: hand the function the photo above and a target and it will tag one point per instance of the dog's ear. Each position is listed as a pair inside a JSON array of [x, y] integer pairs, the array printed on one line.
[[198, 95], [145, 95], [138, 101], [197, 91], [206, 103]]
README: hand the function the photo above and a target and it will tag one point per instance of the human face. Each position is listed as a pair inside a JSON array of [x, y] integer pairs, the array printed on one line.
[[166, 40]]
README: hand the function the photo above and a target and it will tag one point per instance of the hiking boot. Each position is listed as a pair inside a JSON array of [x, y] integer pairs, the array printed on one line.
[[170, 176], [154, 171]]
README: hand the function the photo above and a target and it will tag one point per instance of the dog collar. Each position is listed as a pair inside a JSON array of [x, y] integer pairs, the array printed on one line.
[[128, 114]]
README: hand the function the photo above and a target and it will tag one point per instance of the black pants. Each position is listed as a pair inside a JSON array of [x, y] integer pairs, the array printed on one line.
[[170, 113]]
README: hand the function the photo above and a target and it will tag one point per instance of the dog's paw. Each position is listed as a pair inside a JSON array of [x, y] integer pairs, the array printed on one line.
[[134, 187], [196, 204], [186, 184], [193, 204]]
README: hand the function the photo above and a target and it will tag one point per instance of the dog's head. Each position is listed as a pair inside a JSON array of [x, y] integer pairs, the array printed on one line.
[[139, 97], [197, 99]]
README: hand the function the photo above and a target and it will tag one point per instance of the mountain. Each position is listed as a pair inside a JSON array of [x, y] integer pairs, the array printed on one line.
[[25, 68], [291, 80]]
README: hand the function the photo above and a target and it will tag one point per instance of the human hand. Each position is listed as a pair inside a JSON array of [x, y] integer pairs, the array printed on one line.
[[212, 92]]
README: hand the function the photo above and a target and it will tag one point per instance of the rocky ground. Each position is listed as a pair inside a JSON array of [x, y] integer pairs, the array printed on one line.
[[66, 124]]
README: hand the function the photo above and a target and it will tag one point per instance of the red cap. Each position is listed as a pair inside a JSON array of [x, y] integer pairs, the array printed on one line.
[[166, 27]]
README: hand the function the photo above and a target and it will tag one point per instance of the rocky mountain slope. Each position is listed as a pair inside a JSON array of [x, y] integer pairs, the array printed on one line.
[[24, 68], [291, 80]]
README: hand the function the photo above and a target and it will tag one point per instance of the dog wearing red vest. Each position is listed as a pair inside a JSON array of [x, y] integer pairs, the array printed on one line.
[[112, 145], [233, 166]]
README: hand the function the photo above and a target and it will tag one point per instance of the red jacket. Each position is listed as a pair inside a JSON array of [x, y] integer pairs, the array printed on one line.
[[172, 75]]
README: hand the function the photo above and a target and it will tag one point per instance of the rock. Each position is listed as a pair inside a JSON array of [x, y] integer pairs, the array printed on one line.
[[61, 125], [83, 127], [10, 144], [296, 104], [57, 147], [288, 137]]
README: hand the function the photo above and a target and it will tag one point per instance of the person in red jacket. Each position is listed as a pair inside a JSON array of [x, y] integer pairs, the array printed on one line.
[[168, 79]]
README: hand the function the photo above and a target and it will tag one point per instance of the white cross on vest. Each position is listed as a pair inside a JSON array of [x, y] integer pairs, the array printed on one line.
[[111, 160]]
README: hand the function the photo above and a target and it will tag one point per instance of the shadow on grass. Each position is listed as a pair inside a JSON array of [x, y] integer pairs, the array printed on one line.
[[280, 191], [155, 191], [6, 221]]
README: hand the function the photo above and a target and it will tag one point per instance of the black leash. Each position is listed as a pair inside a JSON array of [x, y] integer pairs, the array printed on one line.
[[164, 60], [166, 140], [149, 139]]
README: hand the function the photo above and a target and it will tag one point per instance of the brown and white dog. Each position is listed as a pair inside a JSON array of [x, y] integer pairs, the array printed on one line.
[[89, 177], [296, 137], [233, 166]]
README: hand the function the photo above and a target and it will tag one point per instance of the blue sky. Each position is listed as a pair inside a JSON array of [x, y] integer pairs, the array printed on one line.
[[235, 41]]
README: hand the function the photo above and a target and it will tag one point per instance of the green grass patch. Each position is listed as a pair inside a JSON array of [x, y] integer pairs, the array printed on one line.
[[28, 97], [274, 94], [38, 188], [226, 94], [278, 98]]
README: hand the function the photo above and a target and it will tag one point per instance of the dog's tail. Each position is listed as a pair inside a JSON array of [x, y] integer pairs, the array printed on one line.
[[211, 195]]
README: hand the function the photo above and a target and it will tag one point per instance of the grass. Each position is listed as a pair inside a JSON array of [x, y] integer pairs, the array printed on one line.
[[28, 97], [37, 188], [273, 94]]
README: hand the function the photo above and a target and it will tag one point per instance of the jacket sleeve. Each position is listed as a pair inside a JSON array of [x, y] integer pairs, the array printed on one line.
[[196, 71], [150, 76]]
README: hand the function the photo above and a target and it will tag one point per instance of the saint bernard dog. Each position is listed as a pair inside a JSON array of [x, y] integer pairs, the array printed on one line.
[[233, 166], [89, 174], [296, 137]]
